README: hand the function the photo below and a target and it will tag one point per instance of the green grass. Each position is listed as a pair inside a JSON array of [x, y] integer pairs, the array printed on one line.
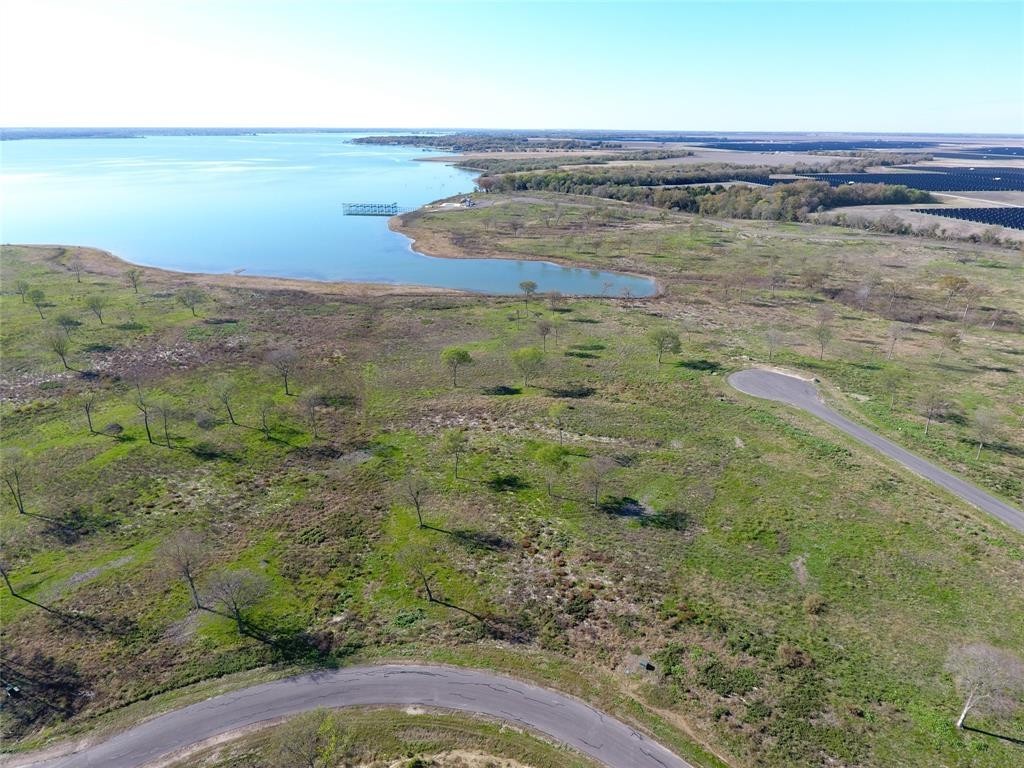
[[734, 492]]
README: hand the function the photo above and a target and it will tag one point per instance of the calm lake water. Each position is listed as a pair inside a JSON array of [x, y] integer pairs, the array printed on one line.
[[267, 204]]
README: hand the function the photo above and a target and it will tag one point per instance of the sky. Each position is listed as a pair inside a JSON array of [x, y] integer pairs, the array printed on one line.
[[726, 66]]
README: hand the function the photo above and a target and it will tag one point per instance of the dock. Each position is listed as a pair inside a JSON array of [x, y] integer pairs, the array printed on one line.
[[370, 209]]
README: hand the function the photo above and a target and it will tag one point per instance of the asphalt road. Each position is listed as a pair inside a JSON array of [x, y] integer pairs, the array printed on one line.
[[804, 394], [562, 718]]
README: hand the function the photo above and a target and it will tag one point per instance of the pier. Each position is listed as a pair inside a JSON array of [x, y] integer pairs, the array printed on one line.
[[370, 209]]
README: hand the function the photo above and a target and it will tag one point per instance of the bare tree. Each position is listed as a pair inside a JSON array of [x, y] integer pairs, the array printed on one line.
[[990, 679], [933, 405], [13, 467], [557, 413], [225, 389], [986, 424], [77, 267], [311, 402], [284, 360], [972, 294], [454, 442], [191, 297], [184, 554], [133, 277], [595, 472], [544, 328], [38, 298], [773, 338], [88, 404], [236, 593], [266, 411], [952, 285], [896, 332], [418, 560], [166, 411], [96, 303], [60, 346], [949, 338], [414, 490], [554, 462], [144, 408]]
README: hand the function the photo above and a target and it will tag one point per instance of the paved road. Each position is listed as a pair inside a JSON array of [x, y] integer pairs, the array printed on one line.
[[563, 718], [803, 394]]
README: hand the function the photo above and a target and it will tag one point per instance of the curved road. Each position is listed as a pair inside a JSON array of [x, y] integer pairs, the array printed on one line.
[[791, 390], [563, 718]]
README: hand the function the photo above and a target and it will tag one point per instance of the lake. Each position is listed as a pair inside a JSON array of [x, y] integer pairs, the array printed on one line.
[[267, 204]]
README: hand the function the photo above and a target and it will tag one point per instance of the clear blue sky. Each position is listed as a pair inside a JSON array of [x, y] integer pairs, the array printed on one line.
[[830, 66]]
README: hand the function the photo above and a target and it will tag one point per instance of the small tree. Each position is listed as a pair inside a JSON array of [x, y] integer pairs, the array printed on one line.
[[773, 338], [184, 554], [896, 332], [544, 329], [664, 340], [990, 679], [309, 740], [529, 361], [557, 413], [77, 268], [454, 358], [823, 334], [38, 297], [554, 460], [166, 411], [284, 360], [986, 424], [455, 442], [224, 389], [144, 408], [528, 287], [266, 411], [191, 298], [972, 294], [60, 346], [13, 469], [311, 402], [952, 285], [88, 404], [67, 323], [236, 593], [96, 303], [414, 490], [22, 288], [949, 338], [933, 405], [133, 278], [595, 472]]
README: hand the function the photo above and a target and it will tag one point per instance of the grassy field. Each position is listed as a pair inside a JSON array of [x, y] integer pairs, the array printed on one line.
[[374, 737], [797, 594]]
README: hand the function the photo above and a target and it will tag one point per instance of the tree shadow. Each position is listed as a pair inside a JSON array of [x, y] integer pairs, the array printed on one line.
[[702, 365], [580, 354], [1011, 739], [572, 392], [501, 391], [506, 482], [206, 451], [622, 506]]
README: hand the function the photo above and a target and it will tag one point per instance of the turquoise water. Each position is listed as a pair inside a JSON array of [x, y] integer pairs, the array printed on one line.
[[263, 205]]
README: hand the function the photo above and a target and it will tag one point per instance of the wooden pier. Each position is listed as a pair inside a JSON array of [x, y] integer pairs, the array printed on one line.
[[370, 209]]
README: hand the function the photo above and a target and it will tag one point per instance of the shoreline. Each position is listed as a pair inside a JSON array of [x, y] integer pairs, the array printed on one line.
[[395, 224]]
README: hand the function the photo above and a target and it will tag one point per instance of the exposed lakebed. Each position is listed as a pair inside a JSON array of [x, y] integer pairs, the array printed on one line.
[[268, 204]]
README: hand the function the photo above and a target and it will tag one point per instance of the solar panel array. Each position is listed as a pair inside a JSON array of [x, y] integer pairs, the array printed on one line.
[[1012, 217]]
